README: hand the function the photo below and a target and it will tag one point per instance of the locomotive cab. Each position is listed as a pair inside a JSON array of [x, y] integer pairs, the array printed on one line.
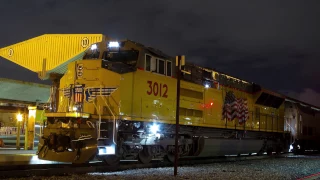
[[98, 106], [85, 123]]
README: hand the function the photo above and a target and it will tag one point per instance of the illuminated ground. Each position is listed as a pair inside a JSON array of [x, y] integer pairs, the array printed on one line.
[[292, 167], [9, 155]]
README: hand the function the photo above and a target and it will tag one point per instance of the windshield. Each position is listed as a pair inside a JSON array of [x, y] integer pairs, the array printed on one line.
[[121, 56], [120, 61]]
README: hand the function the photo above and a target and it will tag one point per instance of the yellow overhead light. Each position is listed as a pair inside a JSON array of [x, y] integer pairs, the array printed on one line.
[[19, 117]]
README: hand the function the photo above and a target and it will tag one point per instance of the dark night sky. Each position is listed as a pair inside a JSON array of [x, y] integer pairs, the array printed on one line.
[[272, 43]]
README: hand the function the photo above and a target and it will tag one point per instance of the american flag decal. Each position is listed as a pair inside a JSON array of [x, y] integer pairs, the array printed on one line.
[[78, 93], [235, 108]]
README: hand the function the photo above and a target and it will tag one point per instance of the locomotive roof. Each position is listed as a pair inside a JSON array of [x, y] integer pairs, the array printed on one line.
[[301, 103], [161, 54], [151, 50]]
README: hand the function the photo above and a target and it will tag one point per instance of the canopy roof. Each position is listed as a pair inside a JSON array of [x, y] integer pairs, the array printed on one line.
[[20, 91]]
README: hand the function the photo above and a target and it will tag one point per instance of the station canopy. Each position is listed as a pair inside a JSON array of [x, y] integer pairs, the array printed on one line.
[[23, 92]]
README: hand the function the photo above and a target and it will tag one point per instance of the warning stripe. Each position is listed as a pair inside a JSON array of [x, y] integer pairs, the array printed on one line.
[[312, 176]]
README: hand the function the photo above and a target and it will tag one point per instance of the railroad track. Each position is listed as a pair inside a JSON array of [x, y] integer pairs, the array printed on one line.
[[16, 171]]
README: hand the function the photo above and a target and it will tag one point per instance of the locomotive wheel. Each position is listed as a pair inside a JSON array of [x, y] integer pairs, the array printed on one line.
[[111, 160], [144, 155], [269, 151]]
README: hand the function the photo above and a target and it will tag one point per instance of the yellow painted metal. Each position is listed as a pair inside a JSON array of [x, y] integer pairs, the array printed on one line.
[[198, 105], [138, 95], [40, 117], [146, 96], [47, 53], [30, 130], [71, 114]]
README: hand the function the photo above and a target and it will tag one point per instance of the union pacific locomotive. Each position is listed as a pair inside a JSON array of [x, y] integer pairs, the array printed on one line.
[[116, 100]]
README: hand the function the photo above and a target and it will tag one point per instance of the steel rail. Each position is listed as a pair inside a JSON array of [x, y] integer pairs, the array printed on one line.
[[18, 171]]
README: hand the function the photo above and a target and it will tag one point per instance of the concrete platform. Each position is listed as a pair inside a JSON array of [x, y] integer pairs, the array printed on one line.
[[11, 156], [14, 151]]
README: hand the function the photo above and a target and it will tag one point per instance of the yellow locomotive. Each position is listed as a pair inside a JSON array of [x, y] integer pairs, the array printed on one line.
[[116, 100]]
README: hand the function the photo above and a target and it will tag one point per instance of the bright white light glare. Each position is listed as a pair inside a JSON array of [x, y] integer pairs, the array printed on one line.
[[291, 148], [154, 129], [74, 108], [158, 135], [94, 47], [206, 86], [114, 44], [19, 117], [107, 150], [32, 113]]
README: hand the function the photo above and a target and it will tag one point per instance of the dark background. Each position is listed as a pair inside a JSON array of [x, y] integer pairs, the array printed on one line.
[[272, 43]]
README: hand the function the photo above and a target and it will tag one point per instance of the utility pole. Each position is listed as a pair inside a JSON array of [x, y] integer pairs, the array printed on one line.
[[180, 60]]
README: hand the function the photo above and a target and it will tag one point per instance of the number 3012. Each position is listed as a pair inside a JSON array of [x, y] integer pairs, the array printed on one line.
[[157, 89]]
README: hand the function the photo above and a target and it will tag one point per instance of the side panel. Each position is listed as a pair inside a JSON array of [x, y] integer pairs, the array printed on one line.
[[153, 97], [93, 77], [251, 123], [191, 103], [280, 120], [65, 81], [213, 106], [148, 96], [126, 90], [291, 120], [235, 104]]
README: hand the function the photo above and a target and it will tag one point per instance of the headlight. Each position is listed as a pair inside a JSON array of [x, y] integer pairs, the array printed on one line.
[[114, 44], [94, 47], [154, 129]]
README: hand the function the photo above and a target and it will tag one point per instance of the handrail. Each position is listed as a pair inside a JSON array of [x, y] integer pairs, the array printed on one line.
[[99, 114], [114, 120]]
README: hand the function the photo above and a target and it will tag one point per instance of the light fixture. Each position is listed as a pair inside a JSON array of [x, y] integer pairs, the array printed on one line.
[[19, 117], [154, 128], [114, 44], [94, 47]]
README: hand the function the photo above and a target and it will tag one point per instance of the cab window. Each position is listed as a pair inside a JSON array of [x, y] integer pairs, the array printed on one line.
[[157, 65], [169, 70], [161, 66]]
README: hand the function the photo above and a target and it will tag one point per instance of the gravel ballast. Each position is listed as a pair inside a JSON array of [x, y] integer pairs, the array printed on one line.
[[291, 167]]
